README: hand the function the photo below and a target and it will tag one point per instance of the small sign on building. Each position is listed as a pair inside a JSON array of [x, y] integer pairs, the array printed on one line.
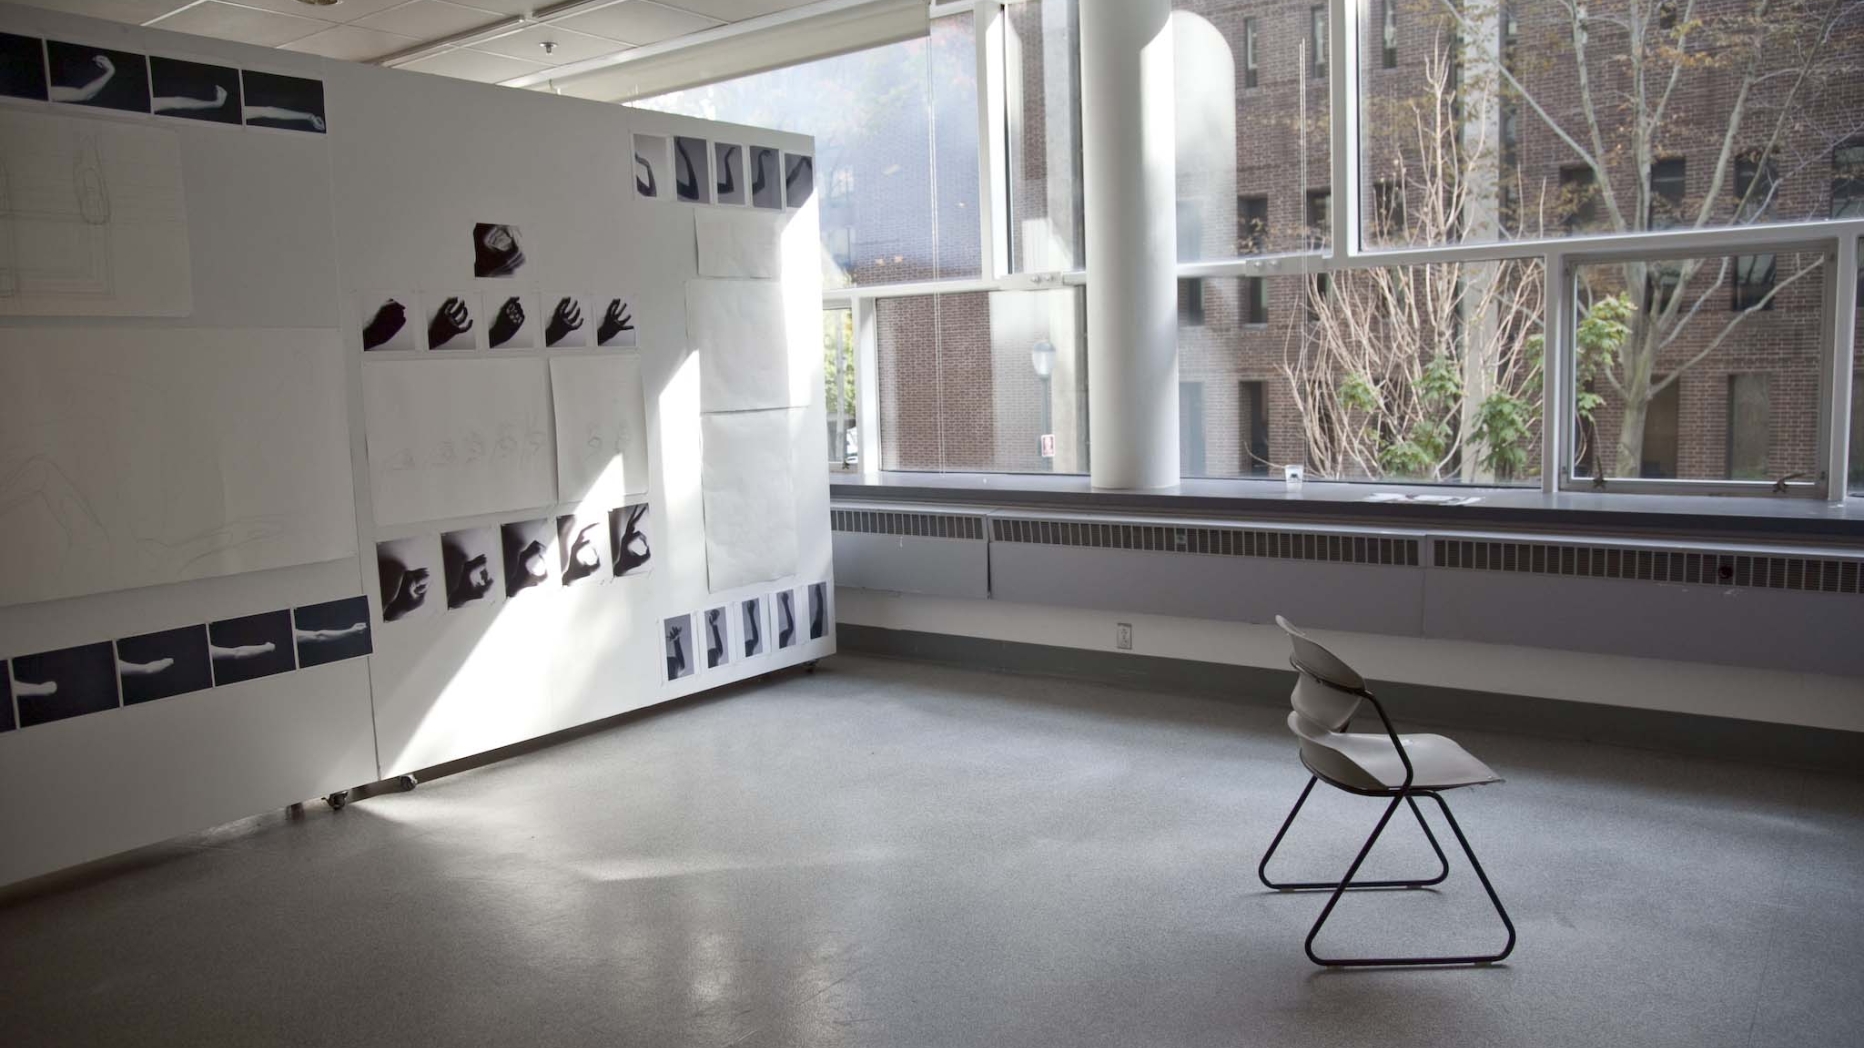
[[1048, 445]]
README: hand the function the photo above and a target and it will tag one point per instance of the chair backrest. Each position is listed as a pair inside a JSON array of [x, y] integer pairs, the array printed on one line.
[[1324, 691]]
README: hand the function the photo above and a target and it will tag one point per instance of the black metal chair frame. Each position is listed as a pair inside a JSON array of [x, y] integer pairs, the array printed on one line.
[[1406, 794]]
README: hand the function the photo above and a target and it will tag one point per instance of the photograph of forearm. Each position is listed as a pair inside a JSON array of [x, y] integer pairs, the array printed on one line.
[[95, 76], [250, 647], [729, 161], [717, 645], [798, 179], [692, 169], [332, 631], [786, 619], [289, 103], [471, 561], [818, 610], [751, 614], [22, 75], [627, 534], [157, 665], [766, 178], [194, 90], [650, 161], [678, 633], [53, 685]]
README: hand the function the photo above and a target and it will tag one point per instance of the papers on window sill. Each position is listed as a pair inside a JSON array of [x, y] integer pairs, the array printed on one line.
[[1425, 500]]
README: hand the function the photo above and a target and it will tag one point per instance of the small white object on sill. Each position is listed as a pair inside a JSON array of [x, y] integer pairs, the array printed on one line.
[[1427, 500]]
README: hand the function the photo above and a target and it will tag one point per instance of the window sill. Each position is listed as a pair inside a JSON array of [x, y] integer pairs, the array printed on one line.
[[1699, 517]]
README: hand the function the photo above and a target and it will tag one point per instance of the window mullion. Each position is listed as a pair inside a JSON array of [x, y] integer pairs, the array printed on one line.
[[990, 24], [867, 382], [1343, 87], [1558, 376], [1842, 325]]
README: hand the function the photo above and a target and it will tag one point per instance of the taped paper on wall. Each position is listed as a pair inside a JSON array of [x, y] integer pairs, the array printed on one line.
[[737, 328], [601, 428], [137, 457], [455, 438], [739, 244], [93, 219], [750, 499]]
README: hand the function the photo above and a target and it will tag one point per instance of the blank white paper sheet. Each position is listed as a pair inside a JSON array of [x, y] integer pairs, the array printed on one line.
[[135, 457], [745, 244], [750, 498], [737, 328], [601, 428], [457, 438]]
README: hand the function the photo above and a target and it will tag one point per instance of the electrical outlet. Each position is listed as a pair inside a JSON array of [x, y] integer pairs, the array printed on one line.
[[1123, 635]]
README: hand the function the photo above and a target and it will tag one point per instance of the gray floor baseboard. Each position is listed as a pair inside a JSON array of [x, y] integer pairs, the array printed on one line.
[[1695, 735]]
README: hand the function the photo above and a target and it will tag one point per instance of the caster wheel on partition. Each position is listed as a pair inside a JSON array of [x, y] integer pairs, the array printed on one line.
[[809, 667], [337, 800], [407, 782]]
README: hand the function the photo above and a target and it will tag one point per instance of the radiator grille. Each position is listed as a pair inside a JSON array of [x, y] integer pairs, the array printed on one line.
[[1222, 542], [919, 525], [1752, 570]]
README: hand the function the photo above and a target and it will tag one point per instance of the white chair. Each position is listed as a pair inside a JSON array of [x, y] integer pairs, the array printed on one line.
[[1327, 692]]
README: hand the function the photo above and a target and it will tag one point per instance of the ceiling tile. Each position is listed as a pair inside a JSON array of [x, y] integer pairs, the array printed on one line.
[[246, 25], [428, 19], [474, 65], [571, 46], [341, 11], [511, 7], [639, 22], [737, 10], [135, 12], [352, 43]]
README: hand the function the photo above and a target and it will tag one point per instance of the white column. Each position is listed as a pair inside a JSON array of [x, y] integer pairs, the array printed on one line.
[[1129, 167]]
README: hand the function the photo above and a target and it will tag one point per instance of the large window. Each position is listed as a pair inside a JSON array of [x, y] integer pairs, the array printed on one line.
[[1042, 78], [840, 390], [896, 151]]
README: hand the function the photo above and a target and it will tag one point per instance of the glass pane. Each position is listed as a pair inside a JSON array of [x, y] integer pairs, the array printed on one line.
[[1417, 374], [840, 387], [1545, 118], [896, 150], [1042, 88], [1681, 374], [1252, 104], [1856, 468], [984, 381]]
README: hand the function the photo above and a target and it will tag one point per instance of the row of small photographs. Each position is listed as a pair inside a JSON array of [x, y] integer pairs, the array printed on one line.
[[479, 566], [721, 173], [452, 320], [82, 75], [719, 636], [91, 678]]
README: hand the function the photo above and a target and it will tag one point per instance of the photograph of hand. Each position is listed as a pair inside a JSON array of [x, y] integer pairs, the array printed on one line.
[[194, 91], [527, 554], [566, 321], [678, 631], [157, 665], [450, 327], [250, 647], [650, 156], [471, 561], [717, 649], [384, 317], [288, 103], [332, 631], [617, 328], [509, 328], [751, 616], [627, 536], [94, 76], [766, 178], [786, 619], [406, 569], [68, 682], [22, 75], [496, 251], [579, 543]]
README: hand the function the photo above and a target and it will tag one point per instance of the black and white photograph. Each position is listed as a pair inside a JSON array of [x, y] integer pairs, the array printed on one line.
[[96, 76], [818, 610], [194, 91], [766, 178], [22, 75], [157, 665], [616, 331], [717, 637], [452, 320], [753, 627], [389, 320], [798, 179], [629, 549], [472, 562], [6, 697], [678, 634], [513, 321], [692, 170], [250, 647], [332, 631], [580, 548], [53, 685], [566, 325], [786, 618], [527, 547], [409, 570], [728, 163], [650, 166], [497, 250], [289, 103]]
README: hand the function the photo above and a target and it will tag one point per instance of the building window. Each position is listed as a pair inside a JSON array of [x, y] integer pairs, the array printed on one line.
[[1754, 277], [1848, 180], [1191, 429], [838, 379], [1667, 182], [1190, 230], [1317, 297], [1252, 224], [1317, 44], [1756, 181], [1388, 58], [1191, 302], [1319, 216], [1253, 427], [1748, 427], [1659, 458], [1857, 434], [1255, 300], [1249, 52]]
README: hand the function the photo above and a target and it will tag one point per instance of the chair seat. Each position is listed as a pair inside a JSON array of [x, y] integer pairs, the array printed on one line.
[[1367, 761]]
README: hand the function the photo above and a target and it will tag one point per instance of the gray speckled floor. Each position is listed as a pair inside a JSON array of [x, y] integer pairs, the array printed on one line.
[[886, 853]]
